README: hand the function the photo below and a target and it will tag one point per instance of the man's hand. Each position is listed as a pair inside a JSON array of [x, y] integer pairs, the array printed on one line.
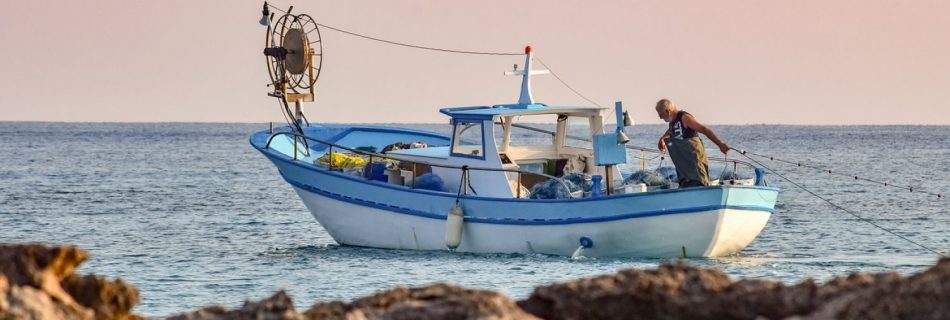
[[724, 148], [661, 145]]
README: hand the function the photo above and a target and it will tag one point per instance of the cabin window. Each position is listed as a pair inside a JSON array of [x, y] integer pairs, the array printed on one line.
[[524, 131], [468, 139], [498, 134], [578, 133]]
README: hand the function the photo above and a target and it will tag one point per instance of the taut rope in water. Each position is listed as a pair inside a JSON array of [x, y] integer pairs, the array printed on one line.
[[743, 152], [855, 177]]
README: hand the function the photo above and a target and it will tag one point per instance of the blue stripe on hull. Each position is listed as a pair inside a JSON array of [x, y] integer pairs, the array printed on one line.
[[512, 221]]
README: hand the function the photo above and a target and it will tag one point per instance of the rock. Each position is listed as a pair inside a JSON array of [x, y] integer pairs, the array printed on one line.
[[26, 302], [108, 299], [437, 301], [673, 291], [278, 307], [924, 295], [40, 267], [677, 291], [37, 282]]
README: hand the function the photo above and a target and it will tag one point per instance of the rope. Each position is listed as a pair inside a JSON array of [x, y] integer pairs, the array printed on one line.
[[725, 166], [462, 184], [418, 46], [742, 152], [565, 83], [409, 45], [452, 51], [855, 177], [658, 166], [283, 112], [468, 181]]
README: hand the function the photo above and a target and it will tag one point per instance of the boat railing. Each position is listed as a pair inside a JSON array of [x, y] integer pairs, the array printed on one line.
[[373, 155], [643, 151]]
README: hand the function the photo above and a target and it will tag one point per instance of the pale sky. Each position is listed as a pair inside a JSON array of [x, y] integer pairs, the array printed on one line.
[[727, 62]]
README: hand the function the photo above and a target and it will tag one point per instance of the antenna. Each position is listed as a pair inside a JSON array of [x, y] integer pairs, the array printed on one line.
[[526, 98]]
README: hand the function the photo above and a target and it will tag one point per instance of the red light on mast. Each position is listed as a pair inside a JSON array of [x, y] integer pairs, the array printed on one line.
[[527, 49]]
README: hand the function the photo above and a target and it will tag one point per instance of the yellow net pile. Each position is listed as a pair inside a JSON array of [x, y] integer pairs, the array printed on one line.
[[342, 161]]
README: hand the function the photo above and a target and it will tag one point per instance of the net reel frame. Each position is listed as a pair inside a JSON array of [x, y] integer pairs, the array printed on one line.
[[294, 54]]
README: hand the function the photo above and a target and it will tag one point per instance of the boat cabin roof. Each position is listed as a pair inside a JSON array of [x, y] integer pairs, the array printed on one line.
[[489, 112]]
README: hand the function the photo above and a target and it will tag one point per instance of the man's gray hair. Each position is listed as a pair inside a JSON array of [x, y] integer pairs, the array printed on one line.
[[664, 104]]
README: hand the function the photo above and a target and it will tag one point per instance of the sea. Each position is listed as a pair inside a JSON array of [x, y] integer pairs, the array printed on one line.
[[193, 216]]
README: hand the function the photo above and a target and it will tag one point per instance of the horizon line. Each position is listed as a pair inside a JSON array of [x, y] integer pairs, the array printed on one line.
[[382, 123]]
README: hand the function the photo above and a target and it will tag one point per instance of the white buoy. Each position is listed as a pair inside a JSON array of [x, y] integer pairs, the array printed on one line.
[[453, 227]]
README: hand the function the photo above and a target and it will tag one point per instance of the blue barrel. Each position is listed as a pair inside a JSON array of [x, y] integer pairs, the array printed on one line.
[[376, 171]]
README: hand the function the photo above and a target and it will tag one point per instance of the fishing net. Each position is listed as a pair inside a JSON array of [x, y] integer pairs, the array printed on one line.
[[341, 160], [661, 177], [429, 181], [581, 181], [552, 189], [733, 175]]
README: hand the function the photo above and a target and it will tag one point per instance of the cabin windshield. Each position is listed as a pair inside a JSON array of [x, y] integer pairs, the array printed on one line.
[[468, 138], [523, 133], [578, 133], [553, 144]]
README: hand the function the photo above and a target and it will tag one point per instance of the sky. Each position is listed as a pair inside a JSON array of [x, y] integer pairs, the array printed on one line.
[[727, 62]]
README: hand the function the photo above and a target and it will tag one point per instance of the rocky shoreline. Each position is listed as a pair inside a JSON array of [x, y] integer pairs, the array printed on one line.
[[38, 282]]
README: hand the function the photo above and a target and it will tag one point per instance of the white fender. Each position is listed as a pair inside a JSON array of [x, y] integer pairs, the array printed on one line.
[[453, 227]]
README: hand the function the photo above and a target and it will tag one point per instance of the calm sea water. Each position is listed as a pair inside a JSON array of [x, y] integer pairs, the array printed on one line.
[[193, 216]]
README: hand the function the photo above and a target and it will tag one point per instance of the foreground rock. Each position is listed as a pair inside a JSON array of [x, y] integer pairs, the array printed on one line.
[[277, 307], [673, 291], [678, 291], [37, 282], [438, 301]]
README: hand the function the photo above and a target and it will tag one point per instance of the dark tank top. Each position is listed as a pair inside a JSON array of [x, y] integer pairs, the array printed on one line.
[[678, 130]]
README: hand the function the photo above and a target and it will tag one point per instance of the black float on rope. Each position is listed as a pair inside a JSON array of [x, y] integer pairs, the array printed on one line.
[[830, 171]]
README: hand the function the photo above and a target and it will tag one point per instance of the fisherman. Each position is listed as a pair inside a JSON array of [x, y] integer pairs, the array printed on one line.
[[685, 146]]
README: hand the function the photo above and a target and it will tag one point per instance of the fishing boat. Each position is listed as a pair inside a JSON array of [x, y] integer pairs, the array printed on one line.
[[480, 189]]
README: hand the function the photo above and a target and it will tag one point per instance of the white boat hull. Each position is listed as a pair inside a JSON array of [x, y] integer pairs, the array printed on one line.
[[709, 233]]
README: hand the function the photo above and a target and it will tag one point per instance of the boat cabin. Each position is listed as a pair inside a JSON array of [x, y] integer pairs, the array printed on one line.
[[482, 138]]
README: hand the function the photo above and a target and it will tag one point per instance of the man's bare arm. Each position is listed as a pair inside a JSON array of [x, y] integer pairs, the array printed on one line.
[[694, 124], [662, 143]]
